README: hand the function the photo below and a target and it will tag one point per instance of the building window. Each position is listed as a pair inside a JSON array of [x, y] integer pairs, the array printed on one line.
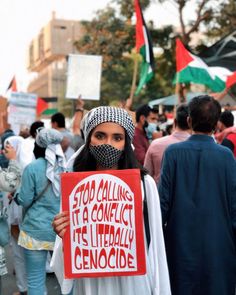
[[60, 27]]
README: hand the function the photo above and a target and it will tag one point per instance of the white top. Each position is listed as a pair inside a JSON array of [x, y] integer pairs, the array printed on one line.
[[155, 282]]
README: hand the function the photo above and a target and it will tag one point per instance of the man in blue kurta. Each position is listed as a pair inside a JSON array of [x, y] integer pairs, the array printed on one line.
[[198, 201]]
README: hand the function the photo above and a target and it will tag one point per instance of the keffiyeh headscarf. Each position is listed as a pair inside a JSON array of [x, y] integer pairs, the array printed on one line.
[[45, 137], [101, 115], [108, 114], [51, 139]]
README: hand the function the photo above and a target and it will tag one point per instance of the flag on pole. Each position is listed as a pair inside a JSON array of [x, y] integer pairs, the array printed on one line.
[[190, 68], [12, 85], [42, 105], [231, 80], [144, 47]]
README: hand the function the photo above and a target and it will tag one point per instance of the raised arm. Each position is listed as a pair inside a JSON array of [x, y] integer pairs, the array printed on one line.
[[10, 179], [79, 112]]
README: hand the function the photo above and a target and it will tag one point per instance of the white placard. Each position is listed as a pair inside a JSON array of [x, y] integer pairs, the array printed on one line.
[[21, 115], [84, 76], [22, 108], [23, 99]]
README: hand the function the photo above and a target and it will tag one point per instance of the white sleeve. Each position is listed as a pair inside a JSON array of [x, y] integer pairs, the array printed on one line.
[[156, 251], [57, 265], [10, 179]]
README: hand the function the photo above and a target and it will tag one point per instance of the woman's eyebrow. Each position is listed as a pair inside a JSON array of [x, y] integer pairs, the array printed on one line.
[[104, 133], [100, 132]]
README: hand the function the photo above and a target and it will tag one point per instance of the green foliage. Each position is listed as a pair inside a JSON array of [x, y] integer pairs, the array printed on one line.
[[161, 85], [113, 37], [223, 21], [127, 6]]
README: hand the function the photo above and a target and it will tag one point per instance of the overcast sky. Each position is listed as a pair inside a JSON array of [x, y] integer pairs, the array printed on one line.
[[21, 20]]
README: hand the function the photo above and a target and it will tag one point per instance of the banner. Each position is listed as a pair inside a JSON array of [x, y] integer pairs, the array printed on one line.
[[84, 76], [105, 236], [22, 108]]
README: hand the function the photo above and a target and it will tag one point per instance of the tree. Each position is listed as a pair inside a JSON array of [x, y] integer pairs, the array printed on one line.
[[110, 36], [127, 7], [203, 14], [223, 21], [163, 39], [113, 37]]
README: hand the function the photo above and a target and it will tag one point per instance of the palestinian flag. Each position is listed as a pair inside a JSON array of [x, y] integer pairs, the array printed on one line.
[[42, 105], [231, 80], [144, 47], [190, 68]]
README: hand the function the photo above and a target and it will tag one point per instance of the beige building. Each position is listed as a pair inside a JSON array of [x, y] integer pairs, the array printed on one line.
[[47, 56]]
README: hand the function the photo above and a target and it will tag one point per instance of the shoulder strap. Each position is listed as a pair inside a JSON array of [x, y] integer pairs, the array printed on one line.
[[38, 197], [42, 192], [145, 214]]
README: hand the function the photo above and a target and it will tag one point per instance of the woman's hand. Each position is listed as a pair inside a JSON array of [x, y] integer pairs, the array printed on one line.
[[60, 223], [80, 103]]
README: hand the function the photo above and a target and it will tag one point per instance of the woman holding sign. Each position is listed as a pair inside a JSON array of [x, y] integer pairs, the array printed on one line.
[[39, 195], [108, 135]]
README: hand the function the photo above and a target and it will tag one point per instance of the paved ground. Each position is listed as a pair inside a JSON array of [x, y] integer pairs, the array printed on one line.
[[9, 285]]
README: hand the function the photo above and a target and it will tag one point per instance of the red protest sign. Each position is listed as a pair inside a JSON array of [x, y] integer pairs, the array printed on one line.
[[105, 236]]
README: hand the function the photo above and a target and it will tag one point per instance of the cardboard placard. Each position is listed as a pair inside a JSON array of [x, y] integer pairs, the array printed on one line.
[[105, 236], [84, 76], [21, 110]]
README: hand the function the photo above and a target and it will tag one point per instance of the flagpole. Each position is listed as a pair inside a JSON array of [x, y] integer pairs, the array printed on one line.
[[134, 80], [177, 85], [177, 90]]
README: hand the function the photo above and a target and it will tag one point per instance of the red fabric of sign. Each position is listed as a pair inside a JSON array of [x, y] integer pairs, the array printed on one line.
[[105, 236]]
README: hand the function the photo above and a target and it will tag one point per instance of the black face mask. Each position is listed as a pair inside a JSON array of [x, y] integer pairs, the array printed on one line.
[[106, 155]]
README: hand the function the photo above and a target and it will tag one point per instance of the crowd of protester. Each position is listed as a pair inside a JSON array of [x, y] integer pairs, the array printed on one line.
[[188, 175]]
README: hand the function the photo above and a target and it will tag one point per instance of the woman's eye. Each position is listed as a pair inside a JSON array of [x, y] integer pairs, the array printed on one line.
[[118, 138], [99, 136]]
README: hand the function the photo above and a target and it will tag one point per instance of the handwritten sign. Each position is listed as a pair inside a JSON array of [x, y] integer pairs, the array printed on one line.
[[84, 76], [22, 108], [106, 224]]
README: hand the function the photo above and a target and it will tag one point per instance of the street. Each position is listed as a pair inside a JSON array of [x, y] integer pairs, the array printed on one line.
[[9, 281]]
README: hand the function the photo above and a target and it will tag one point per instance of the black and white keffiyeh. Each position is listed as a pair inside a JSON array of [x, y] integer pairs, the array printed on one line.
[[47, 136], [105, 114], [56, 163]]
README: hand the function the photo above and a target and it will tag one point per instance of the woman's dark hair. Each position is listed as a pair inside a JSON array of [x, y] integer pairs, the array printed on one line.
[[86, 162], [39, 152]]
